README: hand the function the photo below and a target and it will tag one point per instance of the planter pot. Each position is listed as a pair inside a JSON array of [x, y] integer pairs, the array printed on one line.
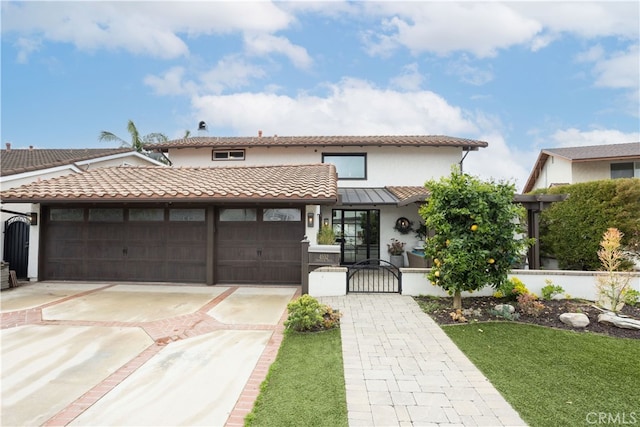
[[397, 260]]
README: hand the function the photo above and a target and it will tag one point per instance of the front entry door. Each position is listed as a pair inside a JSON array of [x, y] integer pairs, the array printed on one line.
[[360, 234]]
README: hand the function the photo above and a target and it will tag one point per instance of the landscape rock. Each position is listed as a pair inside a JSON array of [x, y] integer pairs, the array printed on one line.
[[502, 307], [575, 320], [620, 322]]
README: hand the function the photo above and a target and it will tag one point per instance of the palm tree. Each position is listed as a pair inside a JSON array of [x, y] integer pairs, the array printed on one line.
[[137, 142]]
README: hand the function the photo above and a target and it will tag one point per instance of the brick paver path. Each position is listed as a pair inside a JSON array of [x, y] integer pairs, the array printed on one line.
[[401, 369]]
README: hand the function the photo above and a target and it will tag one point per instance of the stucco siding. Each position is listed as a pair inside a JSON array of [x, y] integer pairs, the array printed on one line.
[[591, 171], [386, 166], [555, 171]]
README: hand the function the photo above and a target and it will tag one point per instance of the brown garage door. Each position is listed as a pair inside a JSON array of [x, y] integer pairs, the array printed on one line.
[[259, 245], [118, 243]]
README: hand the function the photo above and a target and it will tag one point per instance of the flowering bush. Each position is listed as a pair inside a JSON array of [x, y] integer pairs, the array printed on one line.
[[511, 289], [396, 247]]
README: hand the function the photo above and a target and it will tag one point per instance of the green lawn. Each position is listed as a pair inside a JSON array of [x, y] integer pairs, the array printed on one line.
[[557, 378], [305, 384]]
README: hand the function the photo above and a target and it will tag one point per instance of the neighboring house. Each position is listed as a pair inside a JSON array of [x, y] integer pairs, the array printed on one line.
[[23, 166], [235, 209], [571, 165]]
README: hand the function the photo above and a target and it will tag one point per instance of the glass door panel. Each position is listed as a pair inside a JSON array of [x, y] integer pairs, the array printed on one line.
[[358, 231]]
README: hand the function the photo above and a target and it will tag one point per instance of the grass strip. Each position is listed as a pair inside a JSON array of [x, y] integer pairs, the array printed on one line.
[[305, 384], [557, 378]]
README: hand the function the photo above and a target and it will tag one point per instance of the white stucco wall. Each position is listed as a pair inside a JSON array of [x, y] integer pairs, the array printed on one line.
[[386, 166], [576, 284], [555, 171]]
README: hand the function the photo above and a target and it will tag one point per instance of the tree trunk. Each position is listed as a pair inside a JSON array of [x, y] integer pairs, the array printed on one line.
[[457, 301]]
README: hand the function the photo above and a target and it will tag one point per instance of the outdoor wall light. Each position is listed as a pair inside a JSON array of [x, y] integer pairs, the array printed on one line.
[[310, 220], [326, 222]]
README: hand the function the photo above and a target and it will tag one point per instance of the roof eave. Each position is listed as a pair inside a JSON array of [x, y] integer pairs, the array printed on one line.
[[203, 200]]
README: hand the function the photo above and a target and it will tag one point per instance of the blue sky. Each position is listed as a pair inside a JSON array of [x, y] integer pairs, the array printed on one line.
[[520, 75]]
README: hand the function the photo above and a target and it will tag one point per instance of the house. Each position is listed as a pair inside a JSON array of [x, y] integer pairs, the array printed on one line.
[[234, 210], [23, 166], [571, 165]]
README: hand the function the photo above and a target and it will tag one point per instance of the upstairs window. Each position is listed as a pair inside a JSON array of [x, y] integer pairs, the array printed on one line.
[[227, 155], [348, 166], [625, 170]]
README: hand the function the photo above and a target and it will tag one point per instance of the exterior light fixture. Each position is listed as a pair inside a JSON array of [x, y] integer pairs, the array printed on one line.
[[325, 222], [310, 220]]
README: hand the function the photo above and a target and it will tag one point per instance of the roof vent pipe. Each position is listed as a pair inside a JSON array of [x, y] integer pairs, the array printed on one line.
[[8, 146]]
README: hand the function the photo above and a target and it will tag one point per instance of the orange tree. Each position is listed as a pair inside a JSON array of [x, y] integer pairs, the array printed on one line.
[[478, 233]]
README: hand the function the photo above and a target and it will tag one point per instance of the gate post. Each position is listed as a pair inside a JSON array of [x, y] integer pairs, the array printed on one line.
[[305, 265]]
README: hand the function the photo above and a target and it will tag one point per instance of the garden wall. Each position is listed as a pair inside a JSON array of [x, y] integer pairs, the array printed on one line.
[[332, 281], [577, 284]]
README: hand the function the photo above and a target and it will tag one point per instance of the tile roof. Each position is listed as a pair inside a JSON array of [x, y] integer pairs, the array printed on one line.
[[15, 161], [409, 194], [288, 141], [317, 182], [597, 152]]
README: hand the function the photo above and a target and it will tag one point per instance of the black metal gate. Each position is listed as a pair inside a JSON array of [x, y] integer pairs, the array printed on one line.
[[16, 244], [374, 276]]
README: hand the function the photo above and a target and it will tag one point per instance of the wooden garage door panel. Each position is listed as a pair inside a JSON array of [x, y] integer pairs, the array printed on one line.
[[128, 250], [257, 251]]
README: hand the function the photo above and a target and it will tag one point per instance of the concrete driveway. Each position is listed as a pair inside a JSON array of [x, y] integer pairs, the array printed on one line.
[[102, 354]]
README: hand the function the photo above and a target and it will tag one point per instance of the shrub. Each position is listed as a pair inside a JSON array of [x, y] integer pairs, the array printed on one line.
[[570, 230], [612, 287], [528, 304], [307, 314], [504, 313], [550, 290], [631, 297], [326, 236], [505, 290]]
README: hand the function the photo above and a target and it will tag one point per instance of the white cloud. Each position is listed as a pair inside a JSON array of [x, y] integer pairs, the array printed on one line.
[[499, 161], [231, 72], [468, 73], [573, 137], [409, 79], [484, 28], [619, 70], [266, 44], [584, 19], [481, 28], [170, 83], [25, 48], [149, 28], [352, 106]]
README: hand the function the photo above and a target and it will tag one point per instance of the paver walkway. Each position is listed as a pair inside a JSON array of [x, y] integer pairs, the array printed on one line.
[[401, 369]]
